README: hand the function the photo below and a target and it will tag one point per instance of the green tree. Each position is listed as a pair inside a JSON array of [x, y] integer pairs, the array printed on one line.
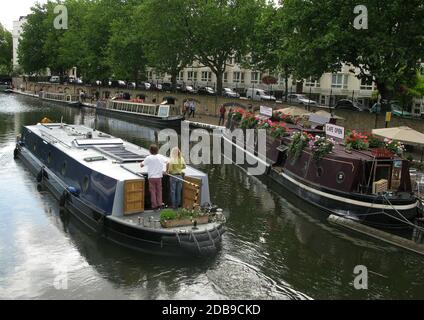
[[32, 57], [166, 45], [324, 36], [6, 51], [126, 55], [217, 30], [268, 44]]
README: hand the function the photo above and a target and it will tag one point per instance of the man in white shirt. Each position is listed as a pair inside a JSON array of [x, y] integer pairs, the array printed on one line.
[[155, 168]]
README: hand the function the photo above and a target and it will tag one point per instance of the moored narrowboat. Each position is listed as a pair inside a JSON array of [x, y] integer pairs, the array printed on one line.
[[98, 179], [65, 98], [163, 115], [370, 185]]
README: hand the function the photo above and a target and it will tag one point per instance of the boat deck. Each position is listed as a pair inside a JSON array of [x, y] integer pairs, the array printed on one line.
[[151, 220]]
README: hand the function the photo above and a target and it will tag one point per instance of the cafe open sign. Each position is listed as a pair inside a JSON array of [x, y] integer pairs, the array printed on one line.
[[335, 131]]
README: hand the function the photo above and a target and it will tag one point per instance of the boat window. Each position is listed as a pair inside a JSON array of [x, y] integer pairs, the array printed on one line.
[[340, 177], [320, 172], [85, 183], [383, 172], [49, 158], [64, 168]]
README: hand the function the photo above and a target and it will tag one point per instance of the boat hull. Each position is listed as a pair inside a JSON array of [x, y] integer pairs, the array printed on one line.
[[375, 211], [367, 209], [144, 120], [76, 104], [151, 241]]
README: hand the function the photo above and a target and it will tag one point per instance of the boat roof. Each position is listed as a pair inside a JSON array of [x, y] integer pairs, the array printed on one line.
[[99, 151]]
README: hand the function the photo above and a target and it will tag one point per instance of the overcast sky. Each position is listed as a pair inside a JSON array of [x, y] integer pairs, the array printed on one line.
[[11, 10]]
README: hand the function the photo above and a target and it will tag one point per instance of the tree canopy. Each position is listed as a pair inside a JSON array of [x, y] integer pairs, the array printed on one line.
[[109, 38], [6, 48]]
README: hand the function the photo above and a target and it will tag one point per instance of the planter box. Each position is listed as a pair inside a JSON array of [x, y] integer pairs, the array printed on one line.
[[184, 222]]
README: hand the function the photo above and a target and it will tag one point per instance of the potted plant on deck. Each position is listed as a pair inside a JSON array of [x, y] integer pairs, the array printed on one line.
[[183, 217]]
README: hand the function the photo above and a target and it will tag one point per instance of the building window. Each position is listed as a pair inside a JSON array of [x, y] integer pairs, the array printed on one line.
[[238, 77], [192, 76], [149, 75], [339, 81], [366, 84], [312, 82], [206, 76], [180, 76], [225, 77], [254, 77]]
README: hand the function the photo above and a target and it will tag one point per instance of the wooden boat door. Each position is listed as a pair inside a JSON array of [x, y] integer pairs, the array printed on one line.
[[191, 192], [134, 196]]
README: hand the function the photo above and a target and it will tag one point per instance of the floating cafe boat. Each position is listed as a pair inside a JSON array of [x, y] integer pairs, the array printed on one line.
[[163, 115], [98, 179], [371, 186], [64, 98]]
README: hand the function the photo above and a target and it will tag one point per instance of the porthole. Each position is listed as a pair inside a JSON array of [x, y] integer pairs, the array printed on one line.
[[320, 172], [64, 168], [85, 183], [340, 177]]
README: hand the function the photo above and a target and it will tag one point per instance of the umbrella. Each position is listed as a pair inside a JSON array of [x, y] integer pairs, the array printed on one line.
[[402, 134], [326, 114], [293, 111]]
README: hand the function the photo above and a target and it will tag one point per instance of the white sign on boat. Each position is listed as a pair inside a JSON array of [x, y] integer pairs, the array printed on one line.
[[335, 131], [266, 111], [163, 111]]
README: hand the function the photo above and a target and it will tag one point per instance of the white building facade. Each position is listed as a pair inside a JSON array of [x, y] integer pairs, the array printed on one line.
[[329, 88], [16, 35]]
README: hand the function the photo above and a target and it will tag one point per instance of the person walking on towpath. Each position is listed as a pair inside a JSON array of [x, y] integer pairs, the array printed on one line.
[[155, 166], [222, 112], [192, 108]]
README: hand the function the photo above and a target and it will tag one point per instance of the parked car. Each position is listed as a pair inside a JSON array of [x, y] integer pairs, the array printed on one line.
[[189, 89], [167, 86], [230, 93], [156, 86], [391, 106], [301, 100], [117, 84], [207, 91], [144, 86], [259, 95], [55, 79], [132, 85], [346, 104]]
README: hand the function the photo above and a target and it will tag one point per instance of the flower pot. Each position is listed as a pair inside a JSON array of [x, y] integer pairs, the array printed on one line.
[[184, 222]]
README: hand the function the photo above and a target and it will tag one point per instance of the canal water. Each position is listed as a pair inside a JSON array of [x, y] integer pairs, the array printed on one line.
[[276, 247]]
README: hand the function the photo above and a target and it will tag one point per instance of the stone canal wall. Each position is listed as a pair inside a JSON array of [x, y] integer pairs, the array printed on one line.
[[209, 105]]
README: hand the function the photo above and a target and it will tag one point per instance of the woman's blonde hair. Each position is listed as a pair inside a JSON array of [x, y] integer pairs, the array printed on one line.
[[175, 155]]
